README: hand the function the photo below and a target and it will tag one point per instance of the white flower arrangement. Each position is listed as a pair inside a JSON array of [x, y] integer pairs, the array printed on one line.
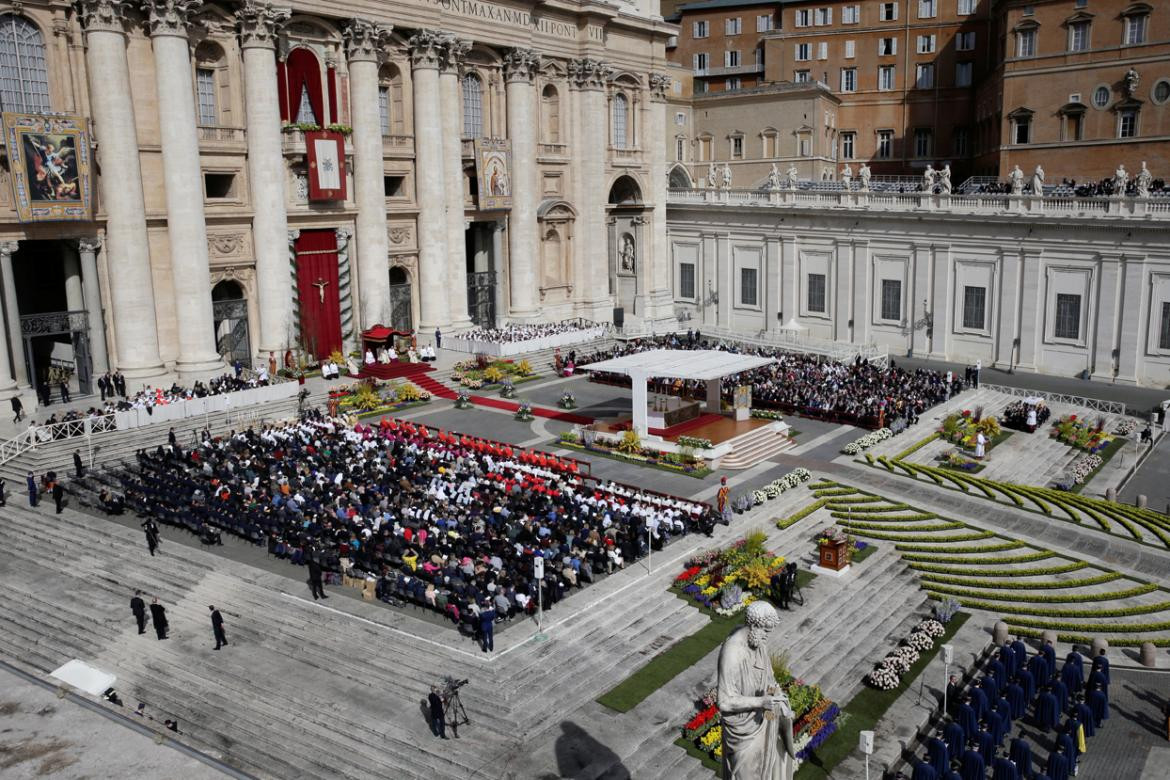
[[919, 641], [907, 654], [1084, 467], [867, 441], [1126, 426], [778, 486], [759, 497], [884, 678], [895, 662], [931, 628]]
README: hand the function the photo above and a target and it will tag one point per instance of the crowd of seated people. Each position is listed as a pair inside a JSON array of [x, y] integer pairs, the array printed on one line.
[[859, 393], [1093, 189], [512, 333], [448, 522]]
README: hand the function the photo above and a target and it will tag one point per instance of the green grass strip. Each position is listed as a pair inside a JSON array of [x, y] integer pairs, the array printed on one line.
[[916, 529], [1075, 566], [1025, 609], [879, 517], [800, 514], [925, 538], [1100, 628], [1086, 640], [1041, 598], [915, 447], [980, 548], [864, 711], [822, 485], [978, 559], [869, 510], [837, 491], [862, 499], [973, 581], [668, 664]]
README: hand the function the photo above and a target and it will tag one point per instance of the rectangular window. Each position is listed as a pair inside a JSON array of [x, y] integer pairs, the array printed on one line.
[[680, 118], [219, 185], [758, 55], [824, 16], [700, 62], [1026, 43], [887, 47], [1073, 127], [823, 50], [392, 186], [734, 82], [892, 299], [886, 77], [803, 52], [885, 144], [733, 26], [700, 29], [848, 143], [1164, 334], [850, 49], [965, 41], [961, 141], [800, 77], [680, 147], [1022, 134], [702, 88], [747, 287], [731, 59], [1127, 121], [1135, 29], [816, 293], [1078, 36], [974, 307], [763, 23], [384, 108], [926, 44], [923, 142], [927, 9], [205, 96], [888, 12], [805, 146], [851, 14], [686, 280], [804, 17], [963, 73], [848, 79], [966, 7], [737, 148], [1068, 317], [924, 76]]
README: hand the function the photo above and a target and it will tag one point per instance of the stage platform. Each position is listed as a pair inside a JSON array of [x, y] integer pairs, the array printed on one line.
[[397, 369], [716, 427]]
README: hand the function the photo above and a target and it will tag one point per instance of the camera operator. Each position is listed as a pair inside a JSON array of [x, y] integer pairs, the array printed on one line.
[[438, 721]]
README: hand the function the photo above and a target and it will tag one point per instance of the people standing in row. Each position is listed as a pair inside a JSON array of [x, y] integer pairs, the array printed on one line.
[[217, 627], [158, 616], [138, 607]]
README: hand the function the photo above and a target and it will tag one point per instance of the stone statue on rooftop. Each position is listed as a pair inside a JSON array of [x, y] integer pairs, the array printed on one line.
[[944, 179], [712, 179], [1120, 180], [847, 177], [1143, 181], [863, 172], [755, 713], [1016, 177], [1132, 80], [1038, 182], [791, 178], [773, 179], [726, 176], [928, 177]]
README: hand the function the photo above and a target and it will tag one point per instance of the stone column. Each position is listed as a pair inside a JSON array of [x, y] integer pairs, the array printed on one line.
[[8, 387], [427, 49], [451, 113], [655, 144], [131, 285], [365, 51], [92, 295], [520, 67], [1103, 326], [73, 299], [259, 25], [182, 175], [590, 77]]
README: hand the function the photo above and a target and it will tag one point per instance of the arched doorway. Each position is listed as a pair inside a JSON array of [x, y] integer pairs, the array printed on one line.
[[679, 179], [400, 313], [627, 272], [229, 309]]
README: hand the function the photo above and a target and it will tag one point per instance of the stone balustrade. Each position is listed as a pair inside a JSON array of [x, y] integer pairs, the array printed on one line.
[[986, 203]]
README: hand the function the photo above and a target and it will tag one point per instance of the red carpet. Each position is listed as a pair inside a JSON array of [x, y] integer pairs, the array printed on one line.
[[435, 388], [396, 370], [689, 425], [539, 411]]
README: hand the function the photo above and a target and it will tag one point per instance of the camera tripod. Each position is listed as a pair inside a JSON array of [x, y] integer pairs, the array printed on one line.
[[453, 712]]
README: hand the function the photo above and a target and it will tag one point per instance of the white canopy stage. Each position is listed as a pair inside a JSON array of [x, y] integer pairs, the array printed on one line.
[[707, 365]]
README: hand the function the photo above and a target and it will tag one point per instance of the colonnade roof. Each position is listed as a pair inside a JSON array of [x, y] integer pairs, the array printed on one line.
[[701, 364]]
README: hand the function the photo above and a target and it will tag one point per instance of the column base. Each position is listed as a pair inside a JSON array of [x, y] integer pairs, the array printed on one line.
[[458, 326], [525, 316], [137, 378], [200, 370]]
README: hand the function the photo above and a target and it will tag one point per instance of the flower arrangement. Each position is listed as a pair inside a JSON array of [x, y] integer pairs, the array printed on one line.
[[964, 428], [1080, 435], [883, 678], [702, 722], [507, 389], [694, 442], [959, 462], [408, 393], [945, 610], [1079, 471], [471, 382], [919, 641], [767, 414], [630, 442], [1126, 426], [867, 441], [728, 580], [932, 628], [778, 486], [524, 413], [463, 400], [567, 401]]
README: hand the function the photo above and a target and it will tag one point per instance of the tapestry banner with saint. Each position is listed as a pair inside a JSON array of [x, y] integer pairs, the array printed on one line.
[[325, 150], [49, 160], [493, 167]]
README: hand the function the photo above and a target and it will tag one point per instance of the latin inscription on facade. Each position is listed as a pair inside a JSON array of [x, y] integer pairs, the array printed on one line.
[[495, 13]]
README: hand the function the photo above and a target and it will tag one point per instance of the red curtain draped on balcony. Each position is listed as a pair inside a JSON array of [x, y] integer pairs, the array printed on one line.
[[303, 70], [282, 90], [317, 291], [332, 96]]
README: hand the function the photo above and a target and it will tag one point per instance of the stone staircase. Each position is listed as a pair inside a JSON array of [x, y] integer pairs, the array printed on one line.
[[756, 447]]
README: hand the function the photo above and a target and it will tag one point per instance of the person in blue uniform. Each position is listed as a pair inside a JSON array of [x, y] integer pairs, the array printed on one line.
[[1017, 700], [939, 755], [1098, 702], [1085, 716], [1058, 764], [955, 738], [1004, 768], [1047, 711], [1021, 753], [1101, 664], [968, 720], [972, 767], [923, 771]]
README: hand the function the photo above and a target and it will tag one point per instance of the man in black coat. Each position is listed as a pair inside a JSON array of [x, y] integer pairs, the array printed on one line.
[[217, 628], [158, 616], [17, 409], [438, 720], [152, 536], [78, 466], [58, 496], [315, 583], [138, 607]]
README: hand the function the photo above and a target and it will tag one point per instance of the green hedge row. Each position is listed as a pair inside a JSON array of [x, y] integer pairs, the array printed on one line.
[[876, 509], [925, 538], [979, 560], [800, 515], [837, 491], [913, 448], [1141, 609], [878, 517], [861, 499], [1034, 598], [1083, 639], [978, 548], [1102, 628], [930, 580], [823, 485], [918, 528], [1063, 569]]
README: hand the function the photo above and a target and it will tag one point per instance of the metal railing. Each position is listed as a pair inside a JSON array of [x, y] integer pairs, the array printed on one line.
[[40, 435], [1096, 404], [792, 341]]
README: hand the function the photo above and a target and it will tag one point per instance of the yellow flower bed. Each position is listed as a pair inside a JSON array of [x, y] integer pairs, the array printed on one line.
[[713, 738]]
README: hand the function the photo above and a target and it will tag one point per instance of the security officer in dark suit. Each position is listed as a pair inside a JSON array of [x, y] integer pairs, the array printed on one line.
[[217, 628], [138, 607], [315, 580]]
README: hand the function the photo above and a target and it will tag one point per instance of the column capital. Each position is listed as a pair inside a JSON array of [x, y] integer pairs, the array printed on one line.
[[521, 65], [589, 74], [89, 245], [429, 49], [7, 248], [260, 23], [104, 15], [455, 53], [170, 17], [659, 84], [365, 41]]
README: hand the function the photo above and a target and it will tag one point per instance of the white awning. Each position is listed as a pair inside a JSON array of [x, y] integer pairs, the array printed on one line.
[[702, 364]]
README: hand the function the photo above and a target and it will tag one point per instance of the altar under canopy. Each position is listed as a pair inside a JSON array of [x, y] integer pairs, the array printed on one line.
[[706, 365]]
